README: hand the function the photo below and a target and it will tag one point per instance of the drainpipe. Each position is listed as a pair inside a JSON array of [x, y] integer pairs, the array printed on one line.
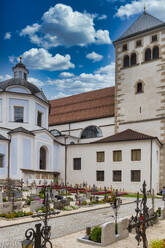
[[151, 167], [65, 160], [8, 168]]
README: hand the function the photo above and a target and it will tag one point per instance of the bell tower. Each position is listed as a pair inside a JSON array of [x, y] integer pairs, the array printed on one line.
[[140, 80]]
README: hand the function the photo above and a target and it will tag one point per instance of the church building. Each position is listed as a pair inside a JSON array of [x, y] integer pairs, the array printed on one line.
[[108, 137]]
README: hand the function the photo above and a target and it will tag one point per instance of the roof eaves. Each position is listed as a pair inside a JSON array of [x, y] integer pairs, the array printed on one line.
[[84, 119], [125, 140]]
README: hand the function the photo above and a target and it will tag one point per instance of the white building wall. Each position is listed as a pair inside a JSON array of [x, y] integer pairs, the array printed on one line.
[[75, 129], [89, 166]]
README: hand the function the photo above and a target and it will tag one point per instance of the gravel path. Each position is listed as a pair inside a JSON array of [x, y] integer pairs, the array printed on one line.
[[64, 225]]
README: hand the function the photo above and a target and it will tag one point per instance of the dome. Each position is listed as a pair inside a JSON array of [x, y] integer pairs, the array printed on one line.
[[19, 82]]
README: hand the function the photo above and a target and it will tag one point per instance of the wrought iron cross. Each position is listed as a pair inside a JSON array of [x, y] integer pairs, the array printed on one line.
[[142, 219], [41, 236]]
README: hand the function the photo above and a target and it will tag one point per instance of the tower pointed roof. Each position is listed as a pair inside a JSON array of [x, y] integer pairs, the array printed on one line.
[[144, 22]]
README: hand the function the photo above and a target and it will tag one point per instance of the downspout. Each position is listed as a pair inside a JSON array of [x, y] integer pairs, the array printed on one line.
[[8, 169], [65, 161], [69, 128], [151, 167]]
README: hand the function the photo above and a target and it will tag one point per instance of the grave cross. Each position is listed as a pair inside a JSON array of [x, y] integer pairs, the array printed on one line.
[[41, 236], [141, 221]]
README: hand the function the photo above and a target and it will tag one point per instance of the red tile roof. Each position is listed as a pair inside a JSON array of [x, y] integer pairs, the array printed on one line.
[[126, 135], [85, 106]]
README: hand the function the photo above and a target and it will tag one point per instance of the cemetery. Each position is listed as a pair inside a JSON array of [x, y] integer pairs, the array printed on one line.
[[45, 201], [17, 200]]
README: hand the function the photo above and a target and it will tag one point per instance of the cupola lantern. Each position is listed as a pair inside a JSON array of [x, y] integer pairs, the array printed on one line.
[[20, 70]]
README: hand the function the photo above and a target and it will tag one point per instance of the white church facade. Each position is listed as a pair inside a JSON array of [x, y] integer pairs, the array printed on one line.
[[27, 148], [108, 137]]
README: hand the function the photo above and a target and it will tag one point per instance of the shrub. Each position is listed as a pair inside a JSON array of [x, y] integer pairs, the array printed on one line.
[[158, 212], [4, 200], [67, 208], [157, 244], [95, 234], [75, 207], [84, 203], [70, 198]]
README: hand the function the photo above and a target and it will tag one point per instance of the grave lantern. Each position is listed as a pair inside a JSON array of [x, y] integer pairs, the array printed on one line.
[[27, 243]]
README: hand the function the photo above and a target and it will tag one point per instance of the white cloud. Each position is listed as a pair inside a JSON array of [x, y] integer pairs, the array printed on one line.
[[63, 26], [41, 59], [102, 17], [7, 36], [66, 74], [155, 7], [103, 77], [5, 77], [94, 56], [36, 81]]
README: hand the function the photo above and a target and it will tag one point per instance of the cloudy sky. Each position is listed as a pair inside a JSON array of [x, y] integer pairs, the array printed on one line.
[[67, 44]]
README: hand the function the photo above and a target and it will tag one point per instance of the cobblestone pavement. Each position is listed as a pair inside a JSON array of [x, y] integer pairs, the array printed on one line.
[[64, 225]]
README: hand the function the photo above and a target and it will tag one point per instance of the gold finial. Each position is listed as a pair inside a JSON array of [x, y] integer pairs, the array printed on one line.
[[20, 57], [144, 8]]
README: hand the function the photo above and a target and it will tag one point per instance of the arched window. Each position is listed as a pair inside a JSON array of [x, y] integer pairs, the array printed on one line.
[[133, 59], [91, 132], [139, 87], [148, 54], [43, 153], [126, 61], [155, 52]]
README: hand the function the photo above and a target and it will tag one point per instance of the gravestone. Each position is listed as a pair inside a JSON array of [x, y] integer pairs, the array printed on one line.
[[35, 205], [82, 199], [94, 188], [18, 194], [88, 195], [1, 198]]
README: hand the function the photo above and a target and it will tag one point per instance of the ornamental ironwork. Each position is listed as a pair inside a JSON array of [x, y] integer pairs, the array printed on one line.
[[143, 219], [42, 233]]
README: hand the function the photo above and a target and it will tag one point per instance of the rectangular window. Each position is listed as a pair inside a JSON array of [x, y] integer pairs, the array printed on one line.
[[100, 157], [117, 175], [1, 160], [125, 47], [138, 43], [136, 155], [154, 38], [77, 164], [117, 156], [39, 119], [18, 114], [100, 176], [135, 175]]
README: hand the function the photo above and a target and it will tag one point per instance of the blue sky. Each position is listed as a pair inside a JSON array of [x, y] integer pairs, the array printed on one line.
[[67, 45]]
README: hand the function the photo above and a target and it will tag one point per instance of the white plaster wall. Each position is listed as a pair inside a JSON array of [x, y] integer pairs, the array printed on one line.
[[148, 127], [89, 166], [106, 125], [6, 119]]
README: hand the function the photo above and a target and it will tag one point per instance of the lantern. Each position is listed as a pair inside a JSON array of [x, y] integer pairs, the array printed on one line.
[[27, 243]]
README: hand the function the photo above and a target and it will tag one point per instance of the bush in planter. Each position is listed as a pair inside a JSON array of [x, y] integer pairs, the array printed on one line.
[[95, 234]]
